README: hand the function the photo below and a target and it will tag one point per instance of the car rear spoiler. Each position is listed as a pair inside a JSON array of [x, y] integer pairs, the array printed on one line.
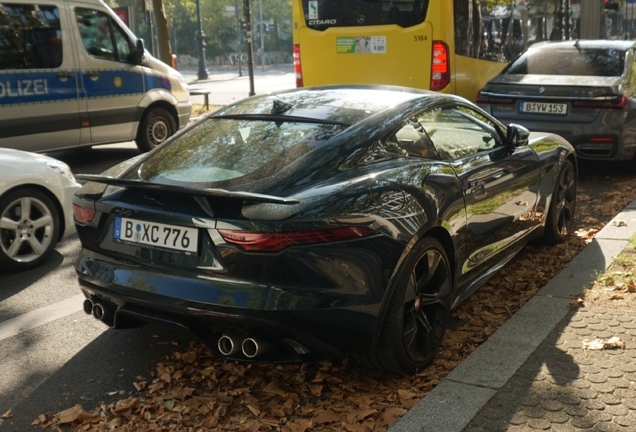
[[139, 184]]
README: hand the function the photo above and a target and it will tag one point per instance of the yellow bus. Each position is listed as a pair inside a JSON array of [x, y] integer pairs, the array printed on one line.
[[452, 46]]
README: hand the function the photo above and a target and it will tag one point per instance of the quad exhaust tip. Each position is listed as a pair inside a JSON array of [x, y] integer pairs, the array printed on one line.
[[253, 347], [99, 311], [228, 346], [88, 306]]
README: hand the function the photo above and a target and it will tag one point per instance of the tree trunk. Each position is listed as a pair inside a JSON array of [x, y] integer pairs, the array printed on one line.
[[164, 53]]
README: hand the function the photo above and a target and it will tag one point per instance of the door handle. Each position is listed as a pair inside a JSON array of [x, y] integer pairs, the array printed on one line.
[[92, 74], [63, 75]]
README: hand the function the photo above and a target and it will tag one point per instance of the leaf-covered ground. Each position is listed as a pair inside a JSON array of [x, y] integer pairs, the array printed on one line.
[[198, 391]]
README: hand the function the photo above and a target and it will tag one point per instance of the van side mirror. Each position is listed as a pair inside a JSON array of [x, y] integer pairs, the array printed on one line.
[[517, 135], [139, 51]]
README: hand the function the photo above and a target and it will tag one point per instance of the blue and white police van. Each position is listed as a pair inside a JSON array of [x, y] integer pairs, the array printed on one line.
[[72, 74]]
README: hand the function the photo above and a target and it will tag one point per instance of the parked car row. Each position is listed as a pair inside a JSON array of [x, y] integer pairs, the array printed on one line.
[[341, 220]]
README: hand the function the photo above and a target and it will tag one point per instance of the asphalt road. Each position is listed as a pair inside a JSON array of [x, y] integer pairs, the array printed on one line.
[[53, 356]]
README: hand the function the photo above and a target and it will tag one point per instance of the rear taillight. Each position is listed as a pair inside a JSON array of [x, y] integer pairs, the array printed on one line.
[[602, 139], [440, 66], [493, 100], [621, 103], [297, 68], [254, 241], [82, 214]]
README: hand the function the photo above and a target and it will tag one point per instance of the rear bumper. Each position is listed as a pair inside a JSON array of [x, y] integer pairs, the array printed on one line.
[[582, 135], [211, 307]]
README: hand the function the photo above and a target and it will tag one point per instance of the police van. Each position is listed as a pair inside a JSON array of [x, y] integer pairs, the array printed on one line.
[[72, 74]]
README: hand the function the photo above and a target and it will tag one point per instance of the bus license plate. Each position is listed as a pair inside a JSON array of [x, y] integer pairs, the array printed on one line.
[[156, 235], [543, 108]]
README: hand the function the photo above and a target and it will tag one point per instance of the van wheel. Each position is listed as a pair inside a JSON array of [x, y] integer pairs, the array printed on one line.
[[156, 126], [29, 229]]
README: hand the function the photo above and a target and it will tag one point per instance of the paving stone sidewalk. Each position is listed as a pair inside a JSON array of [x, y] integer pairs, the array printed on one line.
[[533, 372], [563, 387]]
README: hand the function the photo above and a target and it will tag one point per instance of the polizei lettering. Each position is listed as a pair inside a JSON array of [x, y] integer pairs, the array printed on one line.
[[19, 88], [322, 22]]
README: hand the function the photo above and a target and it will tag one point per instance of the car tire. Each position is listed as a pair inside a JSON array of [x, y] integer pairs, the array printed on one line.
[[27, 241], [418, 312], [562, 205], [156, 126]]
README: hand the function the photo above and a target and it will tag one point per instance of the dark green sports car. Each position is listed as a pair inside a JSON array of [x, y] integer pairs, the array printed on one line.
[[320, 222]]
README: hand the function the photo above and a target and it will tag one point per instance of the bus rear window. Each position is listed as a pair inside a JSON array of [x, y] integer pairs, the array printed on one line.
[[322, 14]]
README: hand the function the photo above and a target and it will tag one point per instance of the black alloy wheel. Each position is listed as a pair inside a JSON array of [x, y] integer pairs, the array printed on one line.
[[561, 214], [419, 311], [156, 127]]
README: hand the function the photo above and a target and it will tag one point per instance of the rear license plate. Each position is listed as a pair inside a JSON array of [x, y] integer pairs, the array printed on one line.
[[156, 236], [543, 108]]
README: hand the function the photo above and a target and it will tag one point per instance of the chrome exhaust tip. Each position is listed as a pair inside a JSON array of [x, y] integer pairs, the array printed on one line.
[[88, 306], [99, 311], [227, 346], [253, 347]]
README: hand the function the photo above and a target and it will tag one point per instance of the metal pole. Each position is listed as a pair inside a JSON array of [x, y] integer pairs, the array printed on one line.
[[567, 19], [248, 23], [202, 73], [238, 30], [260, 23]]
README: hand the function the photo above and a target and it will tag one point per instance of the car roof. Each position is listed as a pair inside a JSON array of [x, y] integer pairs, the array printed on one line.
[[601, 43], [341, 104]]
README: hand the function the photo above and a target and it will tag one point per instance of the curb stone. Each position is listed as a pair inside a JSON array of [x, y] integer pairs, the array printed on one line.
[[451, 405]]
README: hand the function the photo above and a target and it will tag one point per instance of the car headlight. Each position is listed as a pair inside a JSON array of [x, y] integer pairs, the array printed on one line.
[[61, 168]]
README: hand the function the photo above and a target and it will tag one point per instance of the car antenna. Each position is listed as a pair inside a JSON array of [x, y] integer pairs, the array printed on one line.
[[280, 107]]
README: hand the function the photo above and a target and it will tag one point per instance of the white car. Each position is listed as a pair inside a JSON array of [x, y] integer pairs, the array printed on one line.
[[36, 212]]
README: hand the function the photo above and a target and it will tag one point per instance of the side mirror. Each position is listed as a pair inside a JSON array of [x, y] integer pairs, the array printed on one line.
[[139, 51], [517, 135]]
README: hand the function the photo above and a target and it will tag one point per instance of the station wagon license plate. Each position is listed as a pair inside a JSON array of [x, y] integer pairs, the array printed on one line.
[[543, 108], [156, 235]]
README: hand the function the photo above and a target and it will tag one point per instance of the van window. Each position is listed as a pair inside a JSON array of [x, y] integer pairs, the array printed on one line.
[[30, 37], [101, 37]]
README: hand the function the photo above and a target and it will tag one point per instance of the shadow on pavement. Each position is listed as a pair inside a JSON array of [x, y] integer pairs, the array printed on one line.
[[119, 357]]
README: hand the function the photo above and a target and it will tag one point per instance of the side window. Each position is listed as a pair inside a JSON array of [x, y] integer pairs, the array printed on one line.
[[499, 31], [30, 37], [458, 131], [411, 140], [101, 37]]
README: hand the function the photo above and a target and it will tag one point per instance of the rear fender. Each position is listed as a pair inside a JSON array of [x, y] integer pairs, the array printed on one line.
[[439, 230]]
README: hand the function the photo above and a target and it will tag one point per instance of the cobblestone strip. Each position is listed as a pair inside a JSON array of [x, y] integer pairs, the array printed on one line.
[[563, 387]]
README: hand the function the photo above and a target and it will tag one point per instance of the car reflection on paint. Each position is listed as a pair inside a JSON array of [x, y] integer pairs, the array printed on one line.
[[320, 222], [583, 90]]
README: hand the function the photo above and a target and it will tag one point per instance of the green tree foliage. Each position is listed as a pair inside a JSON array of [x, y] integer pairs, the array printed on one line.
[[220, 30]]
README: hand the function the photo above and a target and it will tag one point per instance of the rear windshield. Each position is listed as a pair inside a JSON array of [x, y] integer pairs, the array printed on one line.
[[237, 151], [322, 14], [605, 62]]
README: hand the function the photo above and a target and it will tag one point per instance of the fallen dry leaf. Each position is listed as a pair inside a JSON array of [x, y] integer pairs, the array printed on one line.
[[619, 223], [600, 344], [575, 304], [617, 297], [7, 415], [75, 413]]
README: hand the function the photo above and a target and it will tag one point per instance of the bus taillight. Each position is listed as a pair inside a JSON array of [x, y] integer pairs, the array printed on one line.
[[440, 67], [297, 68]]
